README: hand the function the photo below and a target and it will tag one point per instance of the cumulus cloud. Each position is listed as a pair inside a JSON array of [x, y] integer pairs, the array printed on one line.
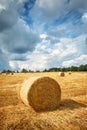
[[39, 34], [43, 36], [82, 59], [78, 5], [19, 39], [47, 55], [49, 9], [8, 14], [16, 37]]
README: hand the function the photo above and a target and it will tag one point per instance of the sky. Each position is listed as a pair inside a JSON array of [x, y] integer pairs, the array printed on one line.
[[41, 34]]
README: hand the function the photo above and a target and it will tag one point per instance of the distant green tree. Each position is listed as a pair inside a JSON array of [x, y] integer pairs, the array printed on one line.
[[24, 71], [30, 71], [74, 68], [4, 71], [83, 67], [45, 70], [17, 71], [37, 71]]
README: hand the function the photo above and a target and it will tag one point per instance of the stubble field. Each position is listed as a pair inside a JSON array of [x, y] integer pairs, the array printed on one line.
[[71, 114]]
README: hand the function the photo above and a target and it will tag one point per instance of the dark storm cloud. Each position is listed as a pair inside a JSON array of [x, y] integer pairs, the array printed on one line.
[[8, 13], [19, 39], [7, 19], [18, 57]]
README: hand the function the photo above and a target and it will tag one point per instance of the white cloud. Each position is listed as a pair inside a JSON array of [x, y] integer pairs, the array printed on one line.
[[67, 52], [2, 7], [84, 18], [43, 36], [82, 59], [34, 62], [12, 64]]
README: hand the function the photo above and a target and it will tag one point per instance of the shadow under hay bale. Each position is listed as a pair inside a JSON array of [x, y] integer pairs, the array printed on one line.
[[70, 104], [42, 93]]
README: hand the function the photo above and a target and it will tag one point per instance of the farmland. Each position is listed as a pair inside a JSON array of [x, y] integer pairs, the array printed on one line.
[[71, 114]]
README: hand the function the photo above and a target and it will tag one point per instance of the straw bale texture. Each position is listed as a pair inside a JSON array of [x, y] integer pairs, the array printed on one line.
[[42, 93], [61, 74]]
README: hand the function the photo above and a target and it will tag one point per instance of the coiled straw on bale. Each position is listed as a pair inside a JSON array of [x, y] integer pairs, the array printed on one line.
[[42, 93]]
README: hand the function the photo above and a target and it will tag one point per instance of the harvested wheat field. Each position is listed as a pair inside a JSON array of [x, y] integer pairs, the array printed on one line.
[[70, 115]]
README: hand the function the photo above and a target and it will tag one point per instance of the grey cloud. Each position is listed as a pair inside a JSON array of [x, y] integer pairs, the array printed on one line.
[[4, 61], [16, 37], [49, 9], [7, 19], [19, 39], [18, 57], [80, 5], [19, 50], [9, 14]]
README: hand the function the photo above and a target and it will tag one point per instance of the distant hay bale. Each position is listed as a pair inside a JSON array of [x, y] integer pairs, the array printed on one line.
[[41, 93], [61, 74], [12, 73], [7, 73], [70, 73]]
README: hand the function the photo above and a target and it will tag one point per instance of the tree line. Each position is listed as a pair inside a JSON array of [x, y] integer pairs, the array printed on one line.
[[65, 69], [55, 69]]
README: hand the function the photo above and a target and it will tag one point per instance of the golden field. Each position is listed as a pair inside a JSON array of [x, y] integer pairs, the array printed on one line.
[[71, 114]]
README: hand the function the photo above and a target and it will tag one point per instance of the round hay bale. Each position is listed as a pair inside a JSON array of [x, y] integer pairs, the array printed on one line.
[[61, 74], [70, 73], [42, 93]]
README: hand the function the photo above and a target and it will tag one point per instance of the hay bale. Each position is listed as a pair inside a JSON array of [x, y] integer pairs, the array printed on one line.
[[42, 93], [61, 74], [12, 73], [70, 73]]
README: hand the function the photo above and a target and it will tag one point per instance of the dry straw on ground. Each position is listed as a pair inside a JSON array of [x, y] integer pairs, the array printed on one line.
[[61, 74], [42, 93]]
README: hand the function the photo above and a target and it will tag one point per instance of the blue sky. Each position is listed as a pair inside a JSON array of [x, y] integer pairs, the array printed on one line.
[[39, 34]]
